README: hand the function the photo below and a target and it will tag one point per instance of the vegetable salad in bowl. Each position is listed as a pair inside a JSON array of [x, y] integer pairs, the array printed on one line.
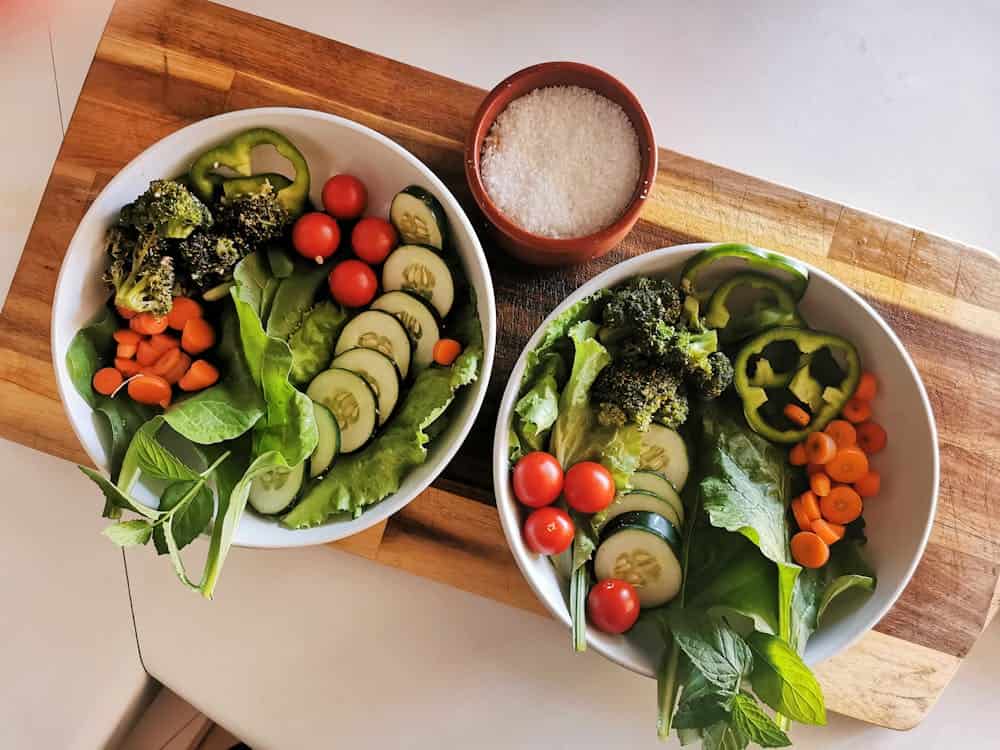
[[694, 454], [257, 349]]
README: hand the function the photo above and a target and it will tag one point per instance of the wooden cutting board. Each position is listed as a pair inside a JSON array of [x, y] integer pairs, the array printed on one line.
[[161, 65]]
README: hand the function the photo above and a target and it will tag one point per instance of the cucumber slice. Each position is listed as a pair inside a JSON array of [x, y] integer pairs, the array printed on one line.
[[639, 500], [658, 484], [378, 330], [665, 451], [644, 549], [420, 271], [328, 445], [418, 217], [378, 371], [273, 491], [352, 403], [418, 320]]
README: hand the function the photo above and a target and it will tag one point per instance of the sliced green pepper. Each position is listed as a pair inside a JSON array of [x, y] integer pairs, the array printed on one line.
[[791, 272], [258, 183], [824, 399], [772, 305], [235, 155]]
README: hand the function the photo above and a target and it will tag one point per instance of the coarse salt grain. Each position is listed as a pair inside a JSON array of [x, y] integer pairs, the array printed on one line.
[[561, 161]]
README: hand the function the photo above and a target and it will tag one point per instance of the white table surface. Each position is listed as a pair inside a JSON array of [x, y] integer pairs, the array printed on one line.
[[892, 109]]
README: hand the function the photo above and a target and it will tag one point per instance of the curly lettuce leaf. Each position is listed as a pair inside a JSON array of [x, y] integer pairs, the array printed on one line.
[[537, 410]]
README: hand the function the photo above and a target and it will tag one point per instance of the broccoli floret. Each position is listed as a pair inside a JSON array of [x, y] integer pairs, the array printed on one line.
[[167, 209], [206, 259], [689, 350], [624, 393], [640, 315], [253, 218], [712, 379], [140, 271], [674, 410]]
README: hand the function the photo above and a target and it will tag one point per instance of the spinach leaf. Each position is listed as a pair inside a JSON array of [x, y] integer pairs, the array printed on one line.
[[723, 735], [713, 648], [839, 585], [312, 345], [289, 424], [124, 417], [188, 521], [294, 298], [251, 278], [91, 347], [129, 533], [702, 703], [783, 681], [751, 721]]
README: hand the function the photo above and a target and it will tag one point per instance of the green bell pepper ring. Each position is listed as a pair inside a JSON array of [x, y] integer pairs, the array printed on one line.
[[824, 401], [773, 306], [235, 154], [794, 275], [236, 187]]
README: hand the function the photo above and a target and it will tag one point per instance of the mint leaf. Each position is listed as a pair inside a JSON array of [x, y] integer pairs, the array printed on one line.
[[723, 735], [147, 456], [783, 681], [129, 533], [116, 499], [701, 703], [188, 521], [715, 649], [756, 725]]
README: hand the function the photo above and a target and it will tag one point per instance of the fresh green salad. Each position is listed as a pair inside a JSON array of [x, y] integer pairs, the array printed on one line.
[[694, 459], [256, 351]]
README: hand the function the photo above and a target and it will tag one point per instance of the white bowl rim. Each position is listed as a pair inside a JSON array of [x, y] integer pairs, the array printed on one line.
[[501, 445], [385, 508]]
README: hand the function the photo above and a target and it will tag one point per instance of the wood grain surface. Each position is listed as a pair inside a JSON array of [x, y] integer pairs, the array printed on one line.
[[161, 65]]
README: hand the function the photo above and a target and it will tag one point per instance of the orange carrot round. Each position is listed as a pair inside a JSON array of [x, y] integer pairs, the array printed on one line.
[[857, 411], [200, 375], [197, 336], [183, 310], [849, 465], [797, 455], [796, 415], [126, 351], [127, 367], [867, 387], [803, 521], [872, 437], [819, 483], [842, 505], [830, 533], [809, 551], [842, 432], [178, 371], [148, 324], [106, 380], [150, 389], [125, 312], [446, 351], [869, 485], [126, 336], [166, 362], [810, 505], [820, 448], [814, 469], [146, 355], [163, 342]]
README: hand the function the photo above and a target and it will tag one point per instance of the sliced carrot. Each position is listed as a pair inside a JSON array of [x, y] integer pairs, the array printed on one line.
[[126, 336], [867, 387], [869, 484], [820, 448], [106, 380], [127, 367], [797, 455], [872, 437], [842, 505], [148, 324], [446, 351], [150, 389], [163, 342], [183, 310], [125, 312], [814, 469], [804, 522], [849, 465], [857, 411], [842, 432], [201, 375], [146, 355], [796, 415], [830, 533], [819, 483], [197, 336], [810, 506], [179, 370], [166, 362], [126, 351], [809, 551]]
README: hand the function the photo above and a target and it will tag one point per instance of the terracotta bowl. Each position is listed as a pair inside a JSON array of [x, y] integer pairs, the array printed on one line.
[[533, 248]]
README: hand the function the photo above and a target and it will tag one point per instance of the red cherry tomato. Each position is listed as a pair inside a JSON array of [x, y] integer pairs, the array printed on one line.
[[353, 284], [345, 196], [589, 487], [538, 479], [613, 605], [373, 239], [548, 531], [316, 236]]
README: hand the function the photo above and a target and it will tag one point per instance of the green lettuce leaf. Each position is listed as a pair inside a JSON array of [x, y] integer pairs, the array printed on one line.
[[537, 410]]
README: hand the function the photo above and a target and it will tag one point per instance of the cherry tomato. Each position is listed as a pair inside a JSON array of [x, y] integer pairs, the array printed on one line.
[[373, 239], [352, 283], [548, 531], [613, 605], [316, 236], [589, 487], [345, 196], [538, 479]]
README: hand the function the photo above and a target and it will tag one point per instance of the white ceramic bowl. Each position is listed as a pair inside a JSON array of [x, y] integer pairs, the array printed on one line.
[[330, 144], [898, 520]]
